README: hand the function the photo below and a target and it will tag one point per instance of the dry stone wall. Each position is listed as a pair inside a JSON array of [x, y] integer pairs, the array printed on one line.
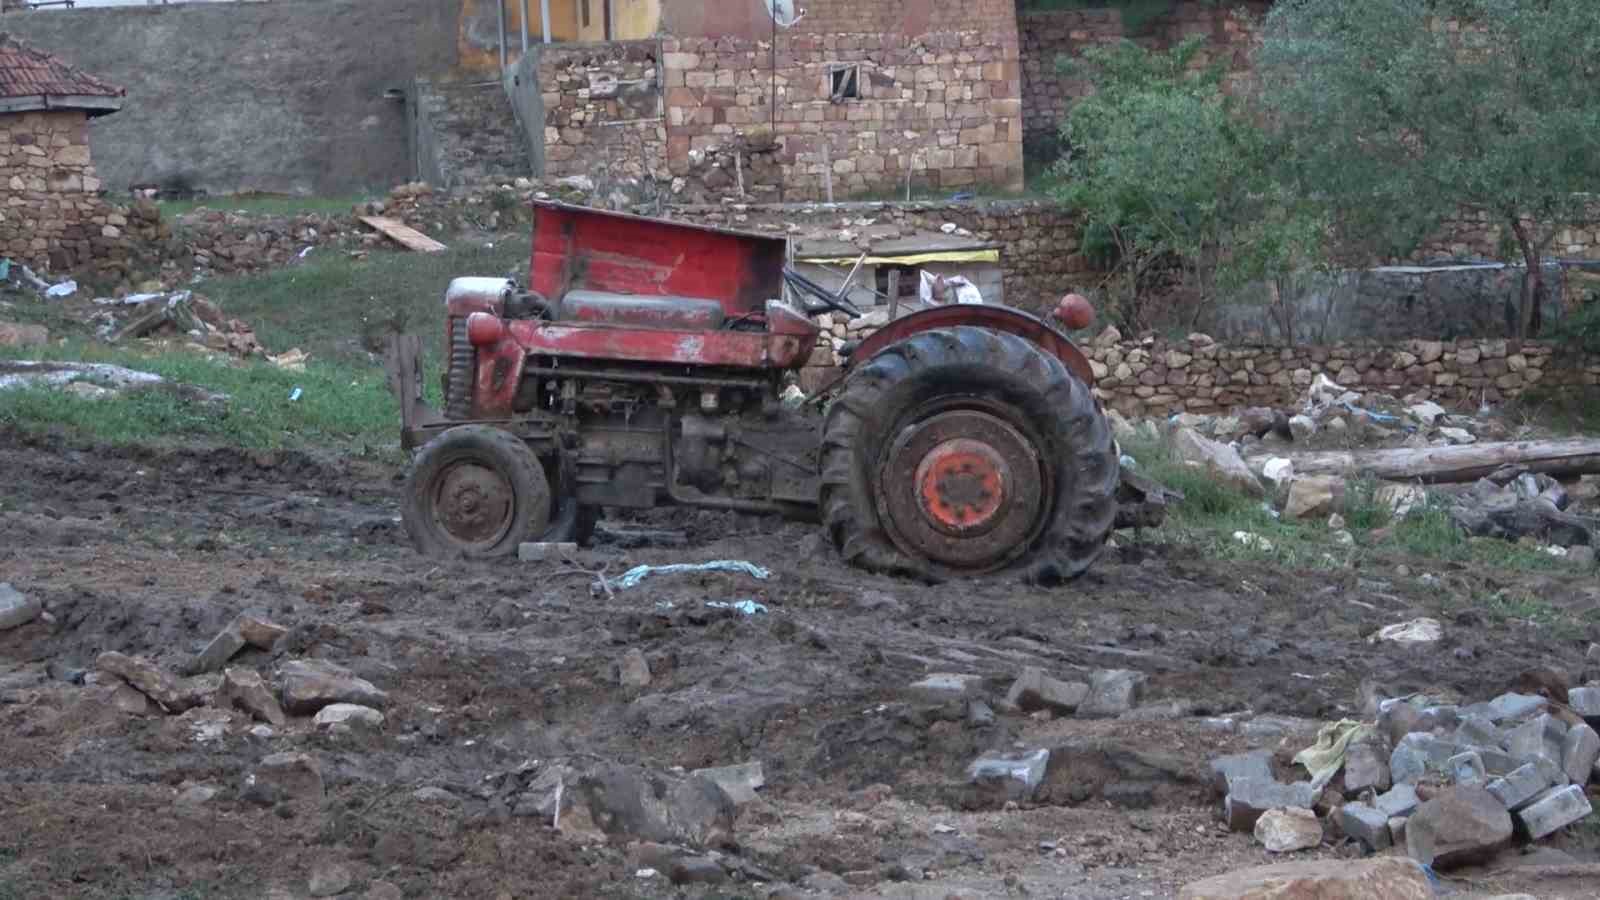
[[603, 112]]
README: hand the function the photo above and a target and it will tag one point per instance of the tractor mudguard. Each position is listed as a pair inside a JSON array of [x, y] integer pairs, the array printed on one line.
[[995, 318]]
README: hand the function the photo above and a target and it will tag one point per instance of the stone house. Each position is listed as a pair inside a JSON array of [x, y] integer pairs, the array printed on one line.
[[51, 213]]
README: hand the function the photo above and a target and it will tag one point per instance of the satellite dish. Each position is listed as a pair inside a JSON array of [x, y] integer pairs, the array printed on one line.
[[783, 12]]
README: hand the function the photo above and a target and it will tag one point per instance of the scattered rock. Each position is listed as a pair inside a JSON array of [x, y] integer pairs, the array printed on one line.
[[1380, 878], [1401, 800], [1519, 787], [1015, 778], [1034, 690], [634, 670], [16, 610], [1288, 830], [244, 689], [1416, 631], [628, 802], [1365, 767], [1225, 770], [195, 795], [948, 685], [1314, 496], [1220, 460], [284, 777], [126, 698], [259, 633], [740, 782], [329, 879], [348, 715], [1418, 753], [309, 685], [221, 649], [1367, 824], [1459, 826], [1585, 701], [1249, 798], [1579, 750], [1555, 809], [151, 680], [1302, 427], [1112, 692], [1466, 768], [1540, 738], [383, 890], [1511, 707]]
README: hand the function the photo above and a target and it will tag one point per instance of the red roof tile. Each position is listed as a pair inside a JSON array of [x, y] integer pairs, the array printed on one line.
[[26, 72]]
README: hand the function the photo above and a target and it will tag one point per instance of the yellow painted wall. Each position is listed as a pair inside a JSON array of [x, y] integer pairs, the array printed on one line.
[[478, 45], [633, 20]]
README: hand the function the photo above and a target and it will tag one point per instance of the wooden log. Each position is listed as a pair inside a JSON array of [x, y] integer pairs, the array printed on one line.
[[1469, 462]]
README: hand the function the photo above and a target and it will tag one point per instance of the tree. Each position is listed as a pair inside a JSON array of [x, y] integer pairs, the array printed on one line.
[[1398, 115], [1166, 169]]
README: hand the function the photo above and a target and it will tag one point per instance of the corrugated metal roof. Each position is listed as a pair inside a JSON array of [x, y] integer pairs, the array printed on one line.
[[26, 72]]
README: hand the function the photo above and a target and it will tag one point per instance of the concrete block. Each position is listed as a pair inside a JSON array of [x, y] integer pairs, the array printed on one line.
[[1466, 768], [1556, 808], [1538, 738], [1418, 753], [1476, 730], [1367, 824], [1398, 801], [1035, 690], [1514, 707], [1585, 701], [1519, 788], [1579, 751], [740, 782], [948, 685], [1365, 767], [1016, 778], [1248, 798], [1225, 770]]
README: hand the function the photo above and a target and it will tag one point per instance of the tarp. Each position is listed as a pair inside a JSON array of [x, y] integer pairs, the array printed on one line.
[[910, 259]]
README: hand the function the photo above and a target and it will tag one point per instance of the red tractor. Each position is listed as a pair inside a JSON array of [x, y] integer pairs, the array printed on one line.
[[644, 364]]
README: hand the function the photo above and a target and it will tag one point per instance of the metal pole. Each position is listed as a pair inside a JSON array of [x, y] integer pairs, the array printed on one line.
[[544, 19], [500, 7], [524, 27]]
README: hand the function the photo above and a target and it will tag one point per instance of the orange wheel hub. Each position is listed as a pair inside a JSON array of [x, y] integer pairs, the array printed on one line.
[[962, 484]]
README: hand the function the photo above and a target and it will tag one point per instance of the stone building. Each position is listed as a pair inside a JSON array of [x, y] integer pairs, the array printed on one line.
[[51, 213]]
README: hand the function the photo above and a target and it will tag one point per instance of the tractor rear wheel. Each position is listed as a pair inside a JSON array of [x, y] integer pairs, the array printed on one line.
[[475, 491], [960, 451]]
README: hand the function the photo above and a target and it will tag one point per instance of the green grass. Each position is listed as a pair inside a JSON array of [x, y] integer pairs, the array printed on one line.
[[263, 204]]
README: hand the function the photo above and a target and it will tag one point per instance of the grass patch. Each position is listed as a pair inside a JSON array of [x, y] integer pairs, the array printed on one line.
[[341, 309], [264, 204], [339, 405]]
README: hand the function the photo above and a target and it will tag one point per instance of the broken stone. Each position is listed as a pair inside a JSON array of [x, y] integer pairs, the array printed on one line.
[[309, 685], [1367, 824], [1476, 730], [221, 649], [1426, 412], [1519, 787], [244, 689], [16, 610], [1400, 800], [1539, 738], [1379, 878], [1514, 707], [1417, 631], [1314, 496], [348, 715], [1418, 753], [1459, 826], [1278, 471], [1400, 499], [634, 670], [1466, 768], [979, 714], [151, 680], [1220, 460], [1034, 690], [1015, 778], [1365, 768], [1579, 750], [329, 879], [948, 685], [1288, 830], [631, 803], [131, 701], [195, 795], [1225, 770], [259, 633], [284, 777], [1249, 798], [740, 782], [1585, 701], [1112, 692], [1555, 809], [1302, 427]]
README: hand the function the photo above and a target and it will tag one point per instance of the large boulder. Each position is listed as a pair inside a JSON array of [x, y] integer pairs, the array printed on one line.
[[1314, 497], [1219, 459], [1380, 878], [309, 685], [1459, 826]]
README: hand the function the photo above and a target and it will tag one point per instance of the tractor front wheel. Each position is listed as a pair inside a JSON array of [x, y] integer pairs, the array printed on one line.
[[475, 491], [960, 451]]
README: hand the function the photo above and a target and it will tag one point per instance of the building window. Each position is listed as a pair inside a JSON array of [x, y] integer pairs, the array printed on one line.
[[844, 82]]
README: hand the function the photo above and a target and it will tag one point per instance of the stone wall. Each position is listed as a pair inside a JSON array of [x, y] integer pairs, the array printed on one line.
[[471, 133], [1478, 235], [1155, 378], [51, 215], [603, 110], [1048, 35]]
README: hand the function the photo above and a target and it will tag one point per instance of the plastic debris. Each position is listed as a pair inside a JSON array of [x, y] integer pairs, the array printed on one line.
[[633, 576], [1416, 631], [748, 607], [1254, 541], [294, 395], [64, 289]]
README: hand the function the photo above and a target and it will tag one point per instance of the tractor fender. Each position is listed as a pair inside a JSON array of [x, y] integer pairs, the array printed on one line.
[[994, 318]]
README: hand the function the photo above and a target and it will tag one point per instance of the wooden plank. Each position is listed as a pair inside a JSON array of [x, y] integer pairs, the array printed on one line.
[[406, 236]]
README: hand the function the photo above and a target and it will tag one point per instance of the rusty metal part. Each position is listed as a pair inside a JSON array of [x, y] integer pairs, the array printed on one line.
[[994, 318], [964, 488], [473, 505]]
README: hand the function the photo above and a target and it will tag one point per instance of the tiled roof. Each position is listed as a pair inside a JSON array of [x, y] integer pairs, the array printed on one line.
[[26, 73]]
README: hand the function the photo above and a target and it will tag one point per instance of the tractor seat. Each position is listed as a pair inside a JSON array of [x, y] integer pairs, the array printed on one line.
[[641, 310]]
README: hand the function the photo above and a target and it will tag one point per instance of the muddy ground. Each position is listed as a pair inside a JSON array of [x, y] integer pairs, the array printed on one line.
[[498, 668]]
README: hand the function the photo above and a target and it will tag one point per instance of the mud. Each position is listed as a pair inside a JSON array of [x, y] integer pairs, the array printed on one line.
[[498, 668]]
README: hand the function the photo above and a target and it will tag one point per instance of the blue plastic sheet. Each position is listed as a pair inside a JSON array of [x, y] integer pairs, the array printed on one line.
[[748, 607], [637, 574]]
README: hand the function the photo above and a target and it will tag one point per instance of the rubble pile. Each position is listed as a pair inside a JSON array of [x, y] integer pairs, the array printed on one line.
[[1451, 784], [178, 314]]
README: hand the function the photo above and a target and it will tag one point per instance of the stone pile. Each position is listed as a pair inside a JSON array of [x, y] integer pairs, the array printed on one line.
[[1452, 784]]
